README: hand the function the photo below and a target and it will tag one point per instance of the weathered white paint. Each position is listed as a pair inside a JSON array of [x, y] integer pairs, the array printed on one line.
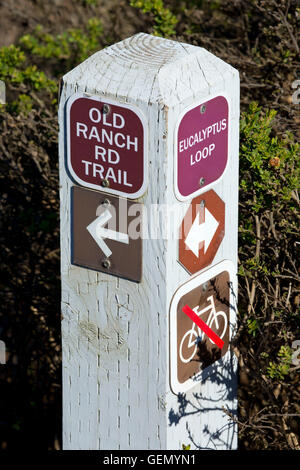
[[115, 333], [2, 92]]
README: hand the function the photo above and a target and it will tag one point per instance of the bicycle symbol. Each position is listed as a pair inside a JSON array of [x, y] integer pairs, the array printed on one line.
[[194, 338]]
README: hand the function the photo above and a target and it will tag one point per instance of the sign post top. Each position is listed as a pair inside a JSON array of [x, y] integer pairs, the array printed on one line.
[[148, 69]]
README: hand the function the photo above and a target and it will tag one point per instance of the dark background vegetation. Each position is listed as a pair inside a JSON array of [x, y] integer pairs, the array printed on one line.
[[258, 37]]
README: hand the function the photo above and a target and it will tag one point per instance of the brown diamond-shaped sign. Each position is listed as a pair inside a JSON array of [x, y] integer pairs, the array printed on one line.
[[100, 235], [201, 232]]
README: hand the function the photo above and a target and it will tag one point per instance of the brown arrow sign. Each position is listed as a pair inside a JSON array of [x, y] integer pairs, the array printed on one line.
[[100, 235], [201, 232]]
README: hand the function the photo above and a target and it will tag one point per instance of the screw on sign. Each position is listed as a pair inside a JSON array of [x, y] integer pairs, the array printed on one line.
[[201, 147], [201, 232], [106, 145], [100, 236], [200, 318]]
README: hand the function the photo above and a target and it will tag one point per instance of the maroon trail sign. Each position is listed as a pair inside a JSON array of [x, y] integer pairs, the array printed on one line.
[[106, 145], [201, 152]]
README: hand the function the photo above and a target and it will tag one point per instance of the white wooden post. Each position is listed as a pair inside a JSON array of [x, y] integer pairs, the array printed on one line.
[[115, 332], [2, 92]]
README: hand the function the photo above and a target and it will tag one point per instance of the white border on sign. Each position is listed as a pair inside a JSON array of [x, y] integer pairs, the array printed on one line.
[[203, 189], [194, 282], [76, 178]]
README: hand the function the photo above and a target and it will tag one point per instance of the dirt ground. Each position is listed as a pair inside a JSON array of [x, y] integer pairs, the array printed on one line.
[[18, 17]]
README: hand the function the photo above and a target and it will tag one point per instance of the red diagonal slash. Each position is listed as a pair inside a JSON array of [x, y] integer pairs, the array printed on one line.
[[203, 326]]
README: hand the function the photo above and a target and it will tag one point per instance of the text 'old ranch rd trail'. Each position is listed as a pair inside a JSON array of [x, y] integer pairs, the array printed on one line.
[[201, 147], [106, 146]]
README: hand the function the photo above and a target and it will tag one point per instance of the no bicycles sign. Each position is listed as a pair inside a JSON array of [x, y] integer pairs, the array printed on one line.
[[193, 352]]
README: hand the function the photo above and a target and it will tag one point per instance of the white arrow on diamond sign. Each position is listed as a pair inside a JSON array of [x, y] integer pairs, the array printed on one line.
[[201, 232]]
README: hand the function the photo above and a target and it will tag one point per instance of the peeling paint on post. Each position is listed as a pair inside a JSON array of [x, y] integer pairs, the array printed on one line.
[[116, 332]]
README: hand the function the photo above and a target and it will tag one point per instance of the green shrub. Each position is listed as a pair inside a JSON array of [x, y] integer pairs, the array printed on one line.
[[13, 69], [65, 50], [269, 167], [279, 369], [72, 45], [268, 276], [164, 20], [90, 2]]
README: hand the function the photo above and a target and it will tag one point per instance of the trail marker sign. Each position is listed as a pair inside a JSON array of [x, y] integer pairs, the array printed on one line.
[[192, 352], [106, 145], [116, 333], [201, 232], [201, 147], [99, 234]]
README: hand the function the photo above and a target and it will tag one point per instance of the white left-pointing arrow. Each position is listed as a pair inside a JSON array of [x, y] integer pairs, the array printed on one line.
[[98, 232]]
